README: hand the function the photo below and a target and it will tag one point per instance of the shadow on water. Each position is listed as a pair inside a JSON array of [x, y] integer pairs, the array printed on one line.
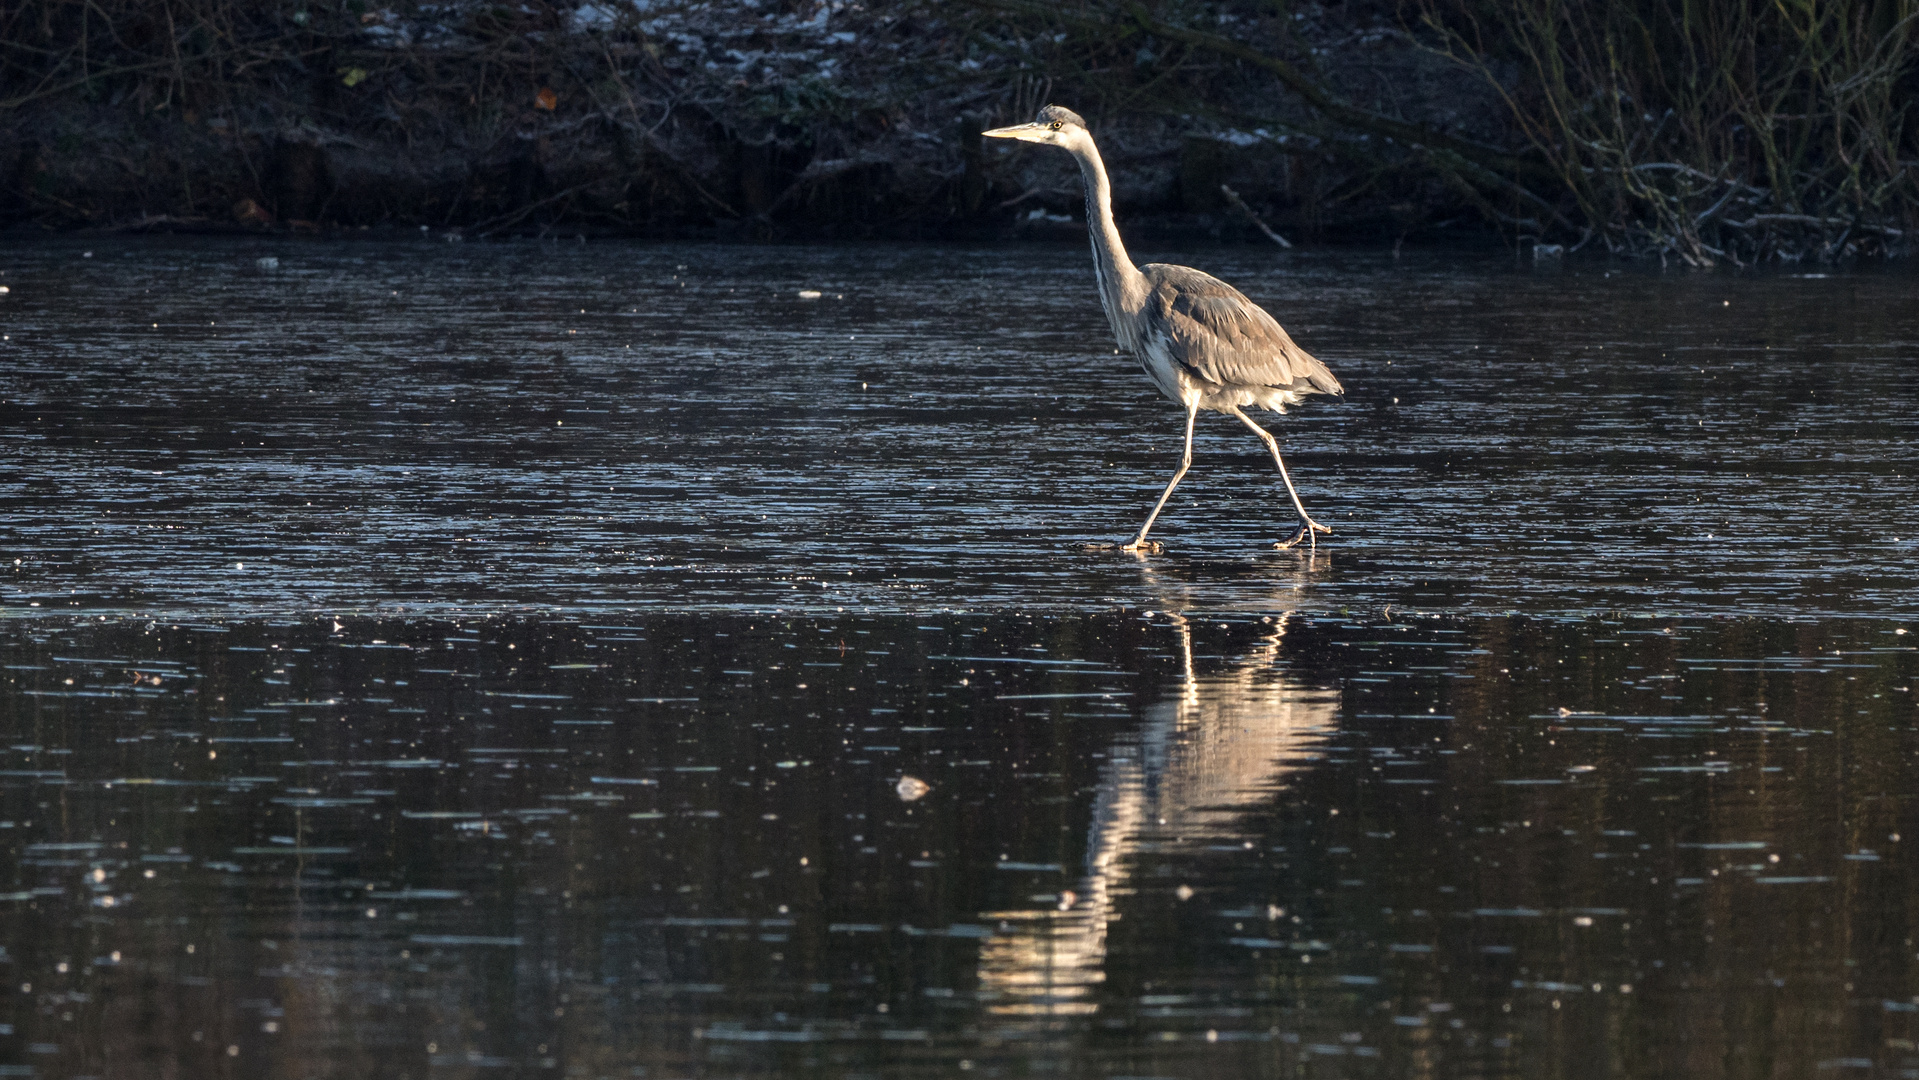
[[1148, 844]]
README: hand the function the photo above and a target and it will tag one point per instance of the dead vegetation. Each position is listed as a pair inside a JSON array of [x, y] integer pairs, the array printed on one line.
[[1707, 138], [1717, 130]]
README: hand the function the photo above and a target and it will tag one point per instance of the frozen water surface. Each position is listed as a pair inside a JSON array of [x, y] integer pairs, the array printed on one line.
[[401, 676], [437, 428]]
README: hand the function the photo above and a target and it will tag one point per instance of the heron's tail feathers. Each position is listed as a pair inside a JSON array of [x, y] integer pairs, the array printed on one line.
[[1323, 383], [1317, 379]]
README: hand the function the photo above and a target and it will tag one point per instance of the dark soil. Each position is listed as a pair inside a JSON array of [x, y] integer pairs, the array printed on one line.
[[738, 118]]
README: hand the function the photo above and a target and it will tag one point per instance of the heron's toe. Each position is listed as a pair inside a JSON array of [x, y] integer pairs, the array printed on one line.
[[1305, 532]]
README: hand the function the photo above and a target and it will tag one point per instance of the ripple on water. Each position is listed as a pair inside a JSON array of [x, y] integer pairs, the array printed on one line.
[[383, 426]]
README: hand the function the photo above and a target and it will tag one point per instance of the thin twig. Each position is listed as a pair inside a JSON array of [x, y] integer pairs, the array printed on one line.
[[488, 228], [1239, 204]]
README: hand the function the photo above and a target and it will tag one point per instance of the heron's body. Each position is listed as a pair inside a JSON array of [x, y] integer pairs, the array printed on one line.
[[1198, 336], [1199, 339]]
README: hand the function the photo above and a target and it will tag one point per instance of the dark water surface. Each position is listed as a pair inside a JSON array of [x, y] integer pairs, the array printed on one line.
[[1152, 846], [452, 660]]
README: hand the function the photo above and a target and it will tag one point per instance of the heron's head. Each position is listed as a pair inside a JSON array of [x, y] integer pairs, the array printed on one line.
[[1054, 126]]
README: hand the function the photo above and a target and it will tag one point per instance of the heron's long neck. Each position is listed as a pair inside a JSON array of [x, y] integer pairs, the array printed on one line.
[[1121, 288]]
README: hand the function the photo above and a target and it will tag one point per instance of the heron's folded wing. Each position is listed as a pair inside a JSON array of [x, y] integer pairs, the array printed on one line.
[[1224, 338]]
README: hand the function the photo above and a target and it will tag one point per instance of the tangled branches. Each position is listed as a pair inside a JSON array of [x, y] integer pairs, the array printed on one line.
[[1711, 131]]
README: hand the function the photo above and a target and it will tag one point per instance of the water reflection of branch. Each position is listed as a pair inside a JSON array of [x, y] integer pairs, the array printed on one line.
[[1218, 746]]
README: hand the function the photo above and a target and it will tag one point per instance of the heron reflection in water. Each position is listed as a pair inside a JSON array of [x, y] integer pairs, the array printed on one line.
[[1201, 341], [1219, 747]]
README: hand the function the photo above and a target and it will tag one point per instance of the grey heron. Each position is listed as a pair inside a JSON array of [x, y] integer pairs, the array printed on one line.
[[1200, 340]]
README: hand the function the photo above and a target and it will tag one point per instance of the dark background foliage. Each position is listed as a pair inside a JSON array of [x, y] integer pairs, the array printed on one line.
[[1714, 131]]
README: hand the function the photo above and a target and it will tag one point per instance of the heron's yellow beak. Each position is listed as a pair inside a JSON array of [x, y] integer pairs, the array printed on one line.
[[1034, 132]]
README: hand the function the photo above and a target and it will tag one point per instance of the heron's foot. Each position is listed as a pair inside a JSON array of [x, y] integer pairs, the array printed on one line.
[[1307, 529], [1142, 546]]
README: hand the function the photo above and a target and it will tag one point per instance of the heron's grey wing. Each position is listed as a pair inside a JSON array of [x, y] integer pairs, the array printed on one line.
[[1226, 339]]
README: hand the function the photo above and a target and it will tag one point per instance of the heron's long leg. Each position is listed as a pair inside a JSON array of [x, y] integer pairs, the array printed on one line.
[[1185, 462], [1310, 527]]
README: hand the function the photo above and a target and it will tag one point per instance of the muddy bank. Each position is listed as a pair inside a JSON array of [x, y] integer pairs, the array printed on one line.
[[741, 118], [1621, 127]]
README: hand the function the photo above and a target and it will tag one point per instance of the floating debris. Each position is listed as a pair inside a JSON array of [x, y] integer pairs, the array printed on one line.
[[912, 788]]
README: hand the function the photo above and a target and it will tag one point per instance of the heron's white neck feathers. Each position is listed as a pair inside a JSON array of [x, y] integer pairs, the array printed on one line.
[[1122, 289]]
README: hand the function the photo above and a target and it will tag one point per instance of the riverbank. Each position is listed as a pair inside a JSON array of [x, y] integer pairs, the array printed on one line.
[[738, 118], [771, 119]]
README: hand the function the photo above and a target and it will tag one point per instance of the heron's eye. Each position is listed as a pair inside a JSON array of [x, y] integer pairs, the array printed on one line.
[[1055, 125]]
